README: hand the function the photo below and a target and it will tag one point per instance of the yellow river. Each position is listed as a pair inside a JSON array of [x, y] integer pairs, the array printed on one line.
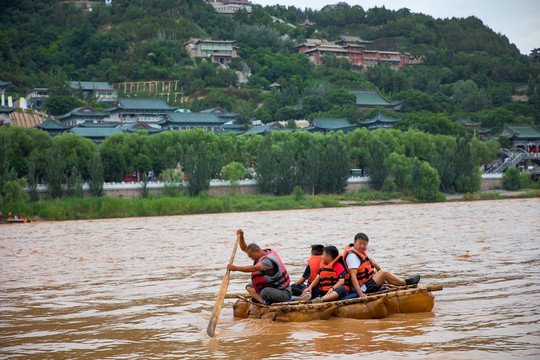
[[144, 288]]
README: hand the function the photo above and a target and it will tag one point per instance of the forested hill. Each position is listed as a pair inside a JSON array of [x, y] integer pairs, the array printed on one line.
[[468, 69]]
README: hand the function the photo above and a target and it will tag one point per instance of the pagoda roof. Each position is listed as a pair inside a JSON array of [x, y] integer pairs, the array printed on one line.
[[261, 129], [95, 132], [85, 111], [216, 110], [468, 122], [520, 131], [373, 98], [4, 84], [50, 124], [140, 125], [380, 117], [331, 123]]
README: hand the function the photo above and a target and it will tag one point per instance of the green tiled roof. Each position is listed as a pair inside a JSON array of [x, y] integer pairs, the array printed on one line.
[[50, 124], [380, 117], [4, 84], [90, 85], [261, 129], [194, 118], [144, 104], [373, 98], [80, 112], [332, 124], [468, 122], [95, 132], [521, 131]]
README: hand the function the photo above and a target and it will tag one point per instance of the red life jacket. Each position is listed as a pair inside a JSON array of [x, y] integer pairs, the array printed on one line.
[[365, 270], [314, 264], [280, 280], [329, 277]]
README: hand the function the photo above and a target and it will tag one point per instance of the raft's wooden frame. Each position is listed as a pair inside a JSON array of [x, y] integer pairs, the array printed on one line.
[[299, 306]]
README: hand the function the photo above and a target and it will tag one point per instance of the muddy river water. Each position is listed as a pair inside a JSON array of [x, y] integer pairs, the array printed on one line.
[[144, 288]]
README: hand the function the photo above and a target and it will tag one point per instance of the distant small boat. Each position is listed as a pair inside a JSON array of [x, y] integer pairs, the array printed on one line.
[[18, 221]]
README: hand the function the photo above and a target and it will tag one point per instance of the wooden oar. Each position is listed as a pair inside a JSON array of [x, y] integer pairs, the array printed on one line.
[[210, 330]]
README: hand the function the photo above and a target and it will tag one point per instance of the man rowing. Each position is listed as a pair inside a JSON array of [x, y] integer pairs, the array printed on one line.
[[270, 281]]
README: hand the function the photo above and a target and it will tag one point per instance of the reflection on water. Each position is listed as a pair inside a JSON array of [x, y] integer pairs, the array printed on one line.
[[145, 287]]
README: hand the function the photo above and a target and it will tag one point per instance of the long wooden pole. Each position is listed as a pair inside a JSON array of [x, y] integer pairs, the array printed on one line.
[[210, 330]]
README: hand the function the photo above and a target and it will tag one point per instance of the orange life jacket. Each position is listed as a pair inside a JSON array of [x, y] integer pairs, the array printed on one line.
[[314, 264], [280, 280], [365, 270], [329, 277]]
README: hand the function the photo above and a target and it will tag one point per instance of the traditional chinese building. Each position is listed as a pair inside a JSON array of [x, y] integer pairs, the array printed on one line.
[[380, 121], [218, 51], [353, 49], [81, 115], [129, 110], [93, 90], [96, 134], [188, 121], [324, 126], [230, 7], [524, 137], [37, 97], [52, 127], [265, 129], [369, 99]]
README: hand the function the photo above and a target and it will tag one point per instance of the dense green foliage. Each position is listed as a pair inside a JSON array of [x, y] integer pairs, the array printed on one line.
[[510, 179], [280, 161], [468, 70]]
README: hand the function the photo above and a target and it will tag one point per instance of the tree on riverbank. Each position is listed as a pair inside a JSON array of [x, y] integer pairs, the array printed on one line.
[[280, 160], [198, 166]]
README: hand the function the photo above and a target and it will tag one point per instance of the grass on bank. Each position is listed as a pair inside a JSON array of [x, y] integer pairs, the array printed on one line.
[[109, 207]]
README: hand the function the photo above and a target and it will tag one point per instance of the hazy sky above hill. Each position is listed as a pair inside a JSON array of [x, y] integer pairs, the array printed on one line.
[[519, 20]]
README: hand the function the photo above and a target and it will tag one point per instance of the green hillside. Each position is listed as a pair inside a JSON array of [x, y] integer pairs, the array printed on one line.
[[468, 70]]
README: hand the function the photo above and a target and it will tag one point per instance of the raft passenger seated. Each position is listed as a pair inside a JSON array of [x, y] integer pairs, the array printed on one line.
[[311, 271], [333, 278], [366, 275]]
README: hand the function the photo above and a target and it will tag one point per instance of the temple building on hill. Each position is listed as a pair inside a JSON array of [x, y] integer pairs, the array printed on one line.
[[352, 48], [52, 127], [478, 130], [82, 115], [324, 126], [139, 110], [94, 90], [218, 51], [380, 121], [188, 121], [521, 136], [229, 7], [369, 99]]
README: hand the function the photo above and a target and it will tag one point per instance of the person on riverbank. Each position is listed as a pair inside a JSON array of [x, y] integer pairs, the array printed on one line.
[[333, 278], [366, 275], [270, 281], [311, 271]]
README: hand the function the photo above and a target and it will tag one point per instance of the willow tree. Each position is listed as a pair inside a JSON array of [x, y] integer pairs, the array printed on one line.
[[198, 166]]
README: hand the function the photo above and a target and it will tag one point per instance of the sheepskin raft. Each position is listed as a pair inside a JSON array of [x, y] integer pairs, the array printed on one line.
[[402, 299]]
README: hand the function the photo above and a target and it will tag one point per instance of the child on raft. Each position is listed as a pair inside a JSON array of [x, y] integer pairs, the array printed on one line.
[[332, 282]]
